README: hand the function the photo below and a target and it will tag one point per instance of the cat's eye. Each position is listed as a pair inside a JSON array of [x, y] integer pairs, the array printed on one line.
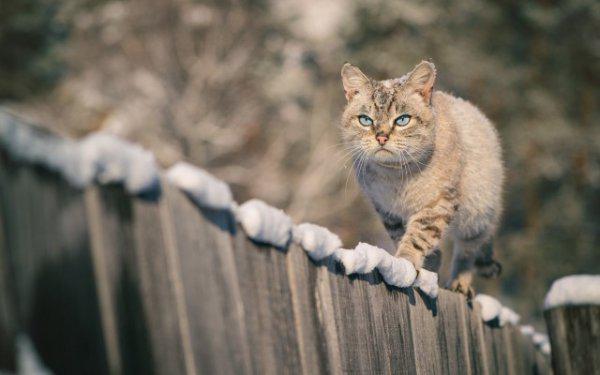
[[402, 120], [365, 120]]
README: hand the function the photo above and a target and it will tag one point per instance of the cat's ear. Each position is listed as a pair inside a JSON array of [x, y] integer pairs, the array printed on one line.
[[354, 80], [422, 78]]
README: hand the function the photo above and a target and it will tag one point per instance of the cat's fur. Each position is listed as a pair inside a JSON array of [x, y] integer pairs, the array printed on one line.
[[440, 175]]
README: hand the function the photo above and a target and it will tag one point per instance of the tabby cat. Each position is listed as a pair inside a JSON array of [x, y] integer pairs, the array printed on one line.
[[431, 164]]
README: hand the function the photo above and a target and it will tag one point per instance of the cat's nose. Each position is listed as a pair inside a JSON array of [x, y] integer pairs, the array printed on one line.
[[382, 138]]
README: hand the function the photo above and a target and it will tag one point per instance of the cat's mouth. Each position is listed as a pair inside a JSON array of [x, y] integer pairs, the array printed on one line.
[[387, 158], [384, 150]]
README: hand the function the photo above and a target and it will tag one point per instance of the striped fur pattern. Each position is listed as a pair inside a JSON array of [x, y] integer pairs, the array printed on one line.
[[440, 174]]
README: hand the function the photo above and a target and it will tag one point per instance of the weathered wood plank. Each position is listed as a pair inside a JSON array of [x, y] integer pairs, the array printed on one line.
[[308, 313], [500, 347], [390, 310], [453, 333], [511, 358], [105, 267], [496, 349], [268, 309], [210, 285], [158, 295], [424, 333], [574, 333], [124, 320], [48, 256], [354, 320], [543, 367], [528, 355], [327, 316], [8, 323], [479, 354], [524, 352]]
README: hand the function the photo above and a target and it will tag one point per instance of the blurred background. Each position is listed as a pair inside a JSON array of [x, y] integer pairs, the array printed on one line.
[[250, 90]]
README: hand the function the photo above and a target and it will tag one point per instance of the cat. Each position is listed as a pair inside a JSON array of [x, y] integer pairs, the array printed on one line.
[[431, 164]]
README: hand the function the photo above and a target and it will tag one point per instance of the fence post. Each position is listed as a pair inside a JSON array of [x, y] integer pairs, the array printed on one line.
[[575, 339]]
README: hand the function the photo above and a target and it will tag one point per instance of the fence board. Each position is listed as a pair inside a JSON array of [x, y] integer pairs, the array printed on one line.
[[308, 313], [510, 358], [8, 324], [124, 319], [355, 322], [158, 296], [575, 338], [453, 334], [268, 308], [496, 349], [479, 354], [390, 308], [425, 339], [542, 366], [206, 270], [52, 275]]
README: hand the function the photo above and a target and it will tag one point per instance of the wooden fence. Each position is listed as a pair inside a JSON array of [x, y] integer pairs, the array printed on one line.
[[107, 283]]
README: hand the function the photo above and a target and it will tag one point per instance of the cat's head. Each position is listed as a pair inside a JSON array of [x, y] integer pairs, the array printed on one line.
[[390, 122]]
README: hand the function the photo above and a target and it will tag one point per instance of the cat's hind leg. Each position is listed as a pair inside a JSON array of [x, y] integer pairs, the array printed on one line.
[[463, 263], [485, 264]]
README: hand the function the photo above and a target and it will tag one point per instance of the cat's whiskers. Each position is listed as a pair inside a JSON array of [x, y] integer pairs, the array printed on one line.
[[346, 153], [359, 154], [417, 163]]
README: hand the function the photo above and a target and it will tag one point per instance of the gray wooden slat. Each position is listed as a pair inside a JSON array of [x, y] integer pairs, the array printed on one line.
[[453, 333], [498, 344], [21, 253], [8, 327], [529, 355], [106, 264], [492, 350], [391, 321], [574, 333], [557, 333], [158, 295], [268, 308], [511, 358], [526, 353], [48, 256], [543, 367], [327, 316], [425, 339], [8, 324], [310, 323], [493, 336], [210, 285], [519, 348], [129, 314], [354, 321], [479, 354]]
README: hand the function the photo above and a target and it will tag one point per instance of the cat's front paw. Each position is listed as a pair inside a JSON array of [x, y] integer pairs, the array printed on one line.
[[462, 286], [415, 257]]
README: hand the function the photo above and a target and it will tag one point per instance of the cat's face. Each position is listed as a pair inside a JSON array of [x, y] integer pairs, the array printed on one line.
[[389, 122]]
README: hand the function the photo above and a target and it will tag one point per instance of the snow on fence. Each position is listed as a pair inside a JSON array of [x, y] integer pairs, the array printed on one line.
[[106, 282]]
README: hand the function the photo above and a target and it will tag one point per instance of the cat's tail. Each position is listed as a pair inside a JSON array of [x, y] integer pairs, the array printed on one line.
[[485, 264]]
